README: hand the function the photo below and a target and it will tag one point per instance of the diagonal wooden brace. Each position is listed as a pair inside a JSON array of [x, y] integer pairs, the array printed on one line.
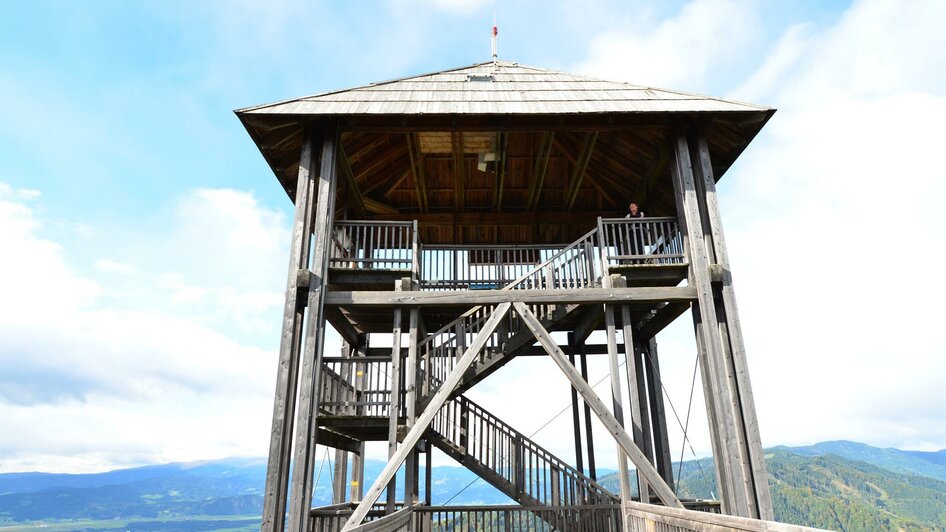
[[644, 467], [433, 406]]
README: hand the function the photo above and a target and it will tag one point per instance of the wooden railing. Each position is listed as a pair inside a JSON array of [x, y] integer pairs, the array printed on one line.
[[375, 245], [650, 517], [333, 518], [357, 386], [536, 475], [478, 267], [575, 266], [394, 246], [581, 518], [641, 241]]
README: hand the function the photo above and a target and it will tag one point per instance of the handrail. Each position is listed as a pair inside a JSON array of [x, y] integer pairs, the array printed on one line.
[[537, 474]]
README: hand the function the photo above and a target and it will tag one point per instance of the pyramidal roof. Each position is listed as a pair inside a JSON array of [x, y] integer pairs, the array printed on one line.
[[499, 87]]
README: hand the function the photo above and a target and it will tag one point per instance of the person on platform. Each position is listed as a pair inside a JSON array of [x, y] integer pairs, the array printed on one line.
[[634, 238]]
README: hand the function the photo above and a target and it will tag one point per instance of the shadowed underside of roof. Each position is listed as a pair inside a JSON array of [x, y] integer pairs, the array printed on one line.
[[500, 152]]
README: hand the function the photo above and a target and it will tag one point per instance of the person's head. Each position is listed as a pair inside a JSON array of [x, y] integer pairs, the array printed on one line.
[[632, 207]]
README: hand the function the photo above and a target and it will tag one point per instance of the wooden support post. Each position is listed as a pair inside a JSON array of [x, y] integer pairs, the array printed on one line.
[[616, 398], [433, 406], [311, 357], [633, 389], [592, 472], [277, 470], [394, 413], [576, 422], [728, 316], [340, 477], [410, 398], [357, 474], [428, 474], [717, 389], [658, 415], [645, 468]]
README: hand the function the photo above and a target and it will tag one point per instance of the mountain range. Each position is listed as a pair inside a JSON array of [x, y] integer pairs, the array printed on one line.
[[838, 485]]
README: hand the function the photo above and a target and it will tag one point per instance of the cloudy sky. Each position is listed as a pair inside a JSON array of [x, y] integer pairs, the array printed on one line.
[[144, 240]]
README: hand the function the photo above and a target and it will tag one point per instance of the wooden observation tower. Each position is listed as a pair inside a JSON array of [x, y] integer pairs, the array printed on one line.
[[459, 218]]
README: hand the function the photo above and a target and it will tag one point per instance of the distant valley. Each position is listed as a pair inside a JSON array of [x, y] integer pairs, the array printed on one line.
[[835, 485]]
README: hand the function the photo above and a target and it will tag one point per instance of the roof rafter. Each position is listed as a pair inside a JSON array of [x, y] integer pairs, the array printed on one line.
[[540, 169]]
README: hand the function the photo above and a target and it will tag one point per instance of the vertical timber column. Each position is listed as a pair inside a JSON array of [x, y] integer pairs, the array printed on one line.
[[358, 457], [340, 474], [735, 495], [658, 413], [394, 413], [300, 501], [280, 443], [576, 420], [616, 396], [589, 437], [730, 328], [411, 466], [633, 374]]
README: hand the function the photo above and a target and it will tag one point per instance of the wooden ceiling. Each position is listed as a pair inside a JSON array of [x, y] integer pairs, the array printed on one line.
[[531, 156]]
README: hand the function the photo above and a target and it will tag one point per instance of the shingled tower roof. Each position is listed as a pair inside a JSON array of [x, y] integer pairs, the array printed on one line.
[[503, 88]]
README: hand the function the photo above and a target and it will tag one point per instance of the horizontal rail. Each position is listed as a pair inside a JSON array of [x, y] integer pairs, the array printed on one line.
[[333, 518], [647, 517], [584, 518]]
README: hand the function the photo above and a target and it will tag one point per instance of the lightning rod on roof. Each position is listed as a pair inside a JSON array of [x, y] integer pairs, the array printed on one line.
[[495, 34]]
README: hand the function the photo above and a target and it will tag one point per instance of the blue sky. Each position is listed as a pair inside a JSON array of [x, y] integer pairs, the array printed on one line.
[[145, 239]]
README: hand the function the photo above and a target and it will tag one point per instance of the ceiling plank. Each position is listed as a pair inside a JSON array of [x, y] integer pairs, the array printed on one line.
[[540, 169], [459, 171], [358, 201], [501, 145], [581, 166], [417, 170]]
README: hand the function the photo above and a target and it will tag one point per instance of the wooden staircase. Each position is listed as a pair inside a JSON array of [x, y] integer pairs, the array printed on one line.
[[510, 461]]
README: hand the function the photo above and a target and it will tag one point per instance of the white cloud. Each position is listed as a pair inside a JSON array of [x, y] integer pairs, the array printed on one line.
[[111, 266], [679, 52], [147, 351]]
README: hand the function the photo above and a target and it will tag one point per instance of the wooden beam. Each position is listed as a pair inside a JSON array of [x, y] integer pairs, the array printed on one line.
[[345, 169], [581, 166], [501, 146], [540, 169], [616, 398], [472, 298], [395, 396], [431, 410], [378, 207], [664, 316], [718, 392], [655, 171], [388, 185], [481, 219], [417, 169], [459, 171], [730, 324], [644, 467], [376, 163]]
